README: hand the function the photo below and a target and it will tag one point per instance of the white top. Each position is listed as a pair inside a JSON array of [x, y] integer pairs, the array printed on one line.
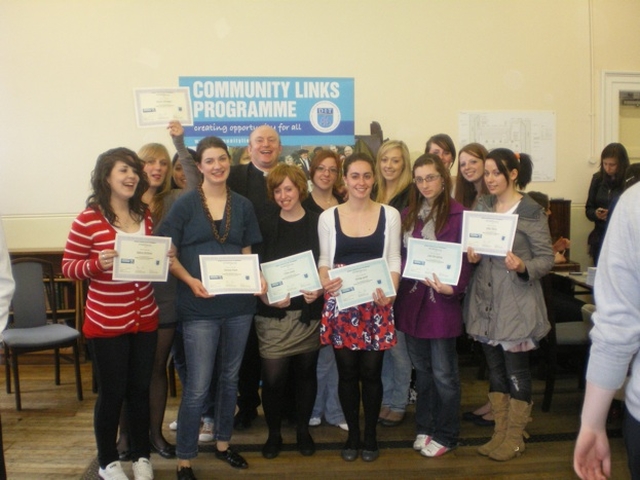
[[327, 235], [7, 284], [616, 333]]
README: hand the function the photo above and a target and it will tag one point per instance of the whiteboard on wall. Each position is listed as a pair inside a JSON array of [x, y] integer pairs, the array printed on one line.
[[532, 132]]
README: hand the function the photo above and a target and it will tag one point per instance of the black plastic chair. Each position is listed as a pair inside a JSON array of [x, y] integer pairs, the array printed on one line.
[[566, 337], [30, 330]]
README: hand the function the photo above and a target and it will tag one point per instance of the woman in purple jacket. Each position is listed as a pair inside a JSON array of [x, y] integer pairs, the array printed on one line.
[[429, 312]]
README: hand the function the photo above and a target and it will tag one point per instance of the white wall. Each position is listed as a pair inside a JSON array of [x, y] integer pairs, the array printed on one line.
[[68, 69]]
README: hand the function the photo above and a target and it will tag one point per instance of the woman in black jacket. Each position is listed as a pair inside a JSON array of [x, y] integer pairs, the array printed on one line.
[[606, 185]]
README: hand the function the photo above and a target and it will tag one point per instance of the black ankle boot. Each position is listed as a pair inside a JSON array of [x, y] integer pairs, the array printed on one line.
[[271, 449]]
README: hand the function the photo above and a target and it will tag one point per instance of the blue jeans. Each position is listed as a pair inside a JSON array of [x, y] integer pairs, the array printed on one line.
[[327, 401], [205, 342], [396, 375], [437, 387], [631, 434]]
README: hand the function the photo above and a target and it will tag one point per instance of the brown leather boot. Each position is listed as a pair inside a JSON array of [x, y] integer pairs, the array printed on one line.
[[500, 408], [513, 445]]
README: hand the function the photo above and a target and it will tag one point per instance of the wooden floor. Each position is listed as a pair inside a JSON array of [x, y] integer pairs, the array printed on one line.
[[52, 438]]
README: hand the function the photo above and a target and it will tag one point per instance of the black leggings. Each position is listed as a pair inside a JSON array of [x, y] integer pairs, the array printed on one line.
[[509, 372], [355, 366], [275, 372], [123, 366]]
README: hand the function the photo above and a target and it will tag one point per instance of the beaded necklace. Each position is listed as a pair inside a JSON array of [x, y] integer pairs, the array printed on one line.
[[227, 214]]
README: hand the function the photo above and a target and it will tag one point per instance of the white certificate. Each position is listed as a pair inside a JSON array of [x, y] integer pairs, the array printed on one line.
[[489, 233], [290, 275], [156, 106], [141, 258], [427, 257], [360, 281], [230, 274]]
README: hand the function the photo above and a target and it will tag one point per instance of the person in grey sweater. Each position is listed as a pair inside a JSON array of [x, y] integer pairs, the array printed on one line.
[[615, 345]]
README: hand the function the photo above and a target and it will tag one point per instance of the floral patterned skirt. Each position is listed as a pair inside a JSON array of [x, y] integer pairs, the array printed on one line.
[[365, 327]]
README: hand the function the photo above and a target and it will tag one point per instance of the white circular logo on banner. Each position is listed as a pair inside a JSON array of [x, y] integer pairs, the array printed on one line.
[[325, 116]]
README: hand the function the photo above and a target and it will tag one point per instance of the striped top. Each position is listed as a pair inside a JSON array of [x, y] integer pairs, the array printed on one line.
[[113, 307]]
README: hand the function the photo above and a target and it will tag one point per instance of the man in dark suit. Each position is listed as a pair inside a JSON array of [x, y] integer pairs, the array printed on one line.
[[304, 162], [250, 181]]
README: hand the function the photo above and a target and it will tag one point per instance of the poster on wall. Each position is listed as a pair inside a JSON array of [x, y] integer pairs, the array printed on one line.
[[532, 132], [305, 111]]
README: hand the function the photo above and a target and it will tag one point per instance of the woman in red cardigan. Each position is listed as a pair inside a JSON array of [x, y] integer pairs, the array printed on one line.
[[121, 318]]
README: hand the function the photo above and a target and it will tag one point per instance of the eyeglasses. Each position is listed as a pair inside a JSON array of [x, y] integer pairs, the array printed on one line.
[[427, 179], [331, 170]]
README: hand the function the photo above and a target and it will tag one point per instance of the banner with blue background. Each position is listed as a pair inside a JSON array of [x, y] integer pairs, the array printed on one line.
[[303, 110]]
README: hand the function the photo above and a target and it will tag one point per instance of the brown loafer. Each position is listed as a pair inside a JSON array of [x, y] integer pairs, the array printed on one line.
[[384, 413]]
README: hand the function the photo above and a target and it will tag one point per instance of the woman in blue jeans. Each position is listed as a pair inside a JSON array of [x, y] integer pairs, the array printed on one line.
[[393, 184], [211, 220], [429, 312]]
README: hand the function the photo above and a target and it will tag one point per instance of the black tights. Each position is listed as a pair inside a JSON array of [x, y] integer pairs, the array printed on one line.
[[157, 394], [274, 380], [356, 366], [159, 386]]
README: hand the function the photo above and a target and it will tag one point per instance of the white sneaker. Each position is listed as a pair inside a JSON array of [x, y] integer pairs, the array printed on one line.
[[113, 471], [421, 442], [344, 426], [206, 432], [434, 449], [173, 425], [142, 469], [315, 421]]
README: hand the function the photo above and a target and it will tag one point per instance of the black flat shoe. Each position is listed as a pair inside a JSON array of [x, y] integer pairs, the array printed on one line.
[[232, 458], [243, 419], [349, 454], [124, 456], [169, 451], [306, 445], [185, 473], [470, 416], [350, 451], [481, 422], [271, 449], [370, 455]]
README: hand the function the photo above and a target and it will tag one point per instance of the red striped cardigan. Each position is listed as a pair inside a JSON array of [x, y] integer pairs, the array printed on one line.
[[113, 307]]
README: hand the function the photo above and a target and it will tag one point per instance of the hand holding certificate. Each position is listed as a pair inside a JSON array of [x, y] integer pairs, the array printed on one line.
[[290, 276], [156, 106], [141, 258], [360, 281], [426, 258], [489, 233], [225, 274]]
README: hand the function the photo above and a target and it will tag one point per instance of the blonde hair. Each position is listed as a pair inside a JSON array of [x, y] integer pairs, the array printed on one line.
[[405, 177], [151, 150]]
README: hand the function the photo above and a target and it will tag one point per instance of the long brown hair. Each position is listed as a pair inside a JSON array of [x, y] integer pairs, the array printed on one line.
[[466, 192], [100, 197], [441, 204]]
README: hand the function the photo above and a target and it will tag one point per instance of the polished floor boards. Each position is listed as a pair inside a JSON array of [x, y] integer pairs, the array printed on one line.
[[52, 438]]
